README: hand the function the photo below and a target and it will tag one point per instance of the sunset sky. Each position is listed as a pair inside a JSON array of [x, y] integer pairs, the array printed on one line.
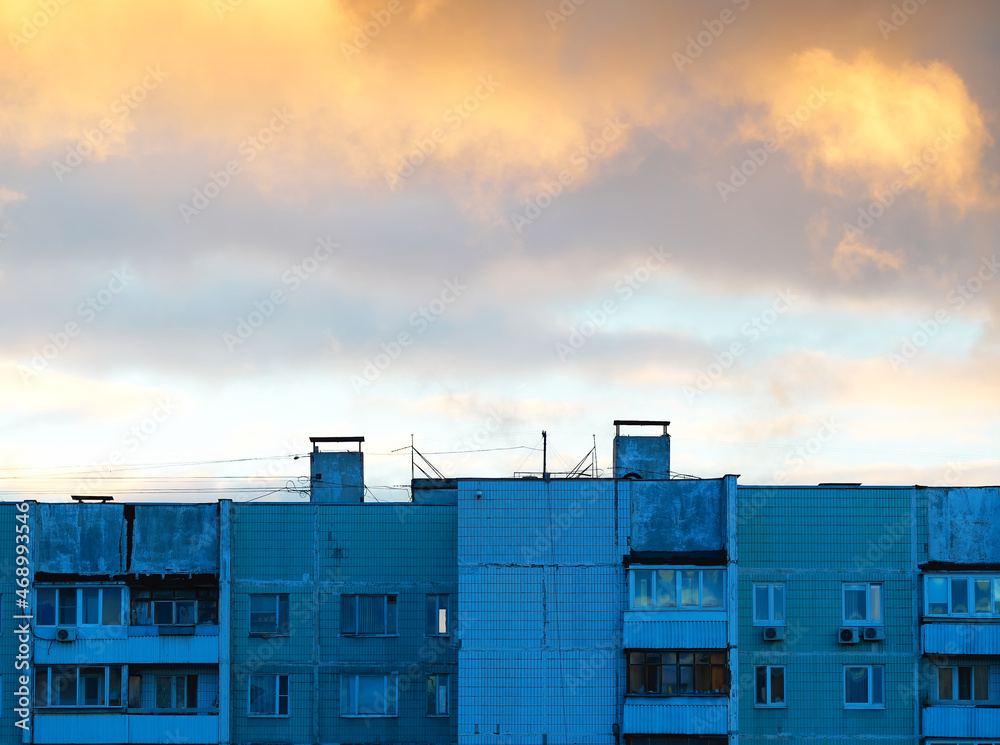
[[228, 225]]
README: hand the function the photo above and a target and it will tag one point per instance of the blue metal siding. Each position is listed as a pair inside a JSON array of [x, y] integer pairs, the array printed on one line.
[[678, 716], [961, 721], [961, 638], [648, 630]]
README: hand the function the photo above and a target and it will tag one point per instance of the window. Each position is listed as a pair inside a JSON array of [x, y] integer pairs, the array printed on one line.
[[964, 683], [269, 695], [864, 687], [74, 606], [770, 685], [437, 615], [973, 595], [78, 686], [652, 673], [686, 589], [437, 695], [175, 606], [269, 614], [769, 604], [862, 602], [368, 695], [176, 691], [368, 615]]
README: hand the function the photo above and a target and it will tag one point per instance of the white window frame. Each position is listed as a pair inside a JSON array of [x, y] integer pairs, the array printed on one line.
[[79, 683], [385, 613], [278, 677], [678, 583], [770, 620], [867, 620], [441, 603], [280, 629], [870, 678], [78, 590], [783, 704], [440, 680], [994, 611], [390, 695]]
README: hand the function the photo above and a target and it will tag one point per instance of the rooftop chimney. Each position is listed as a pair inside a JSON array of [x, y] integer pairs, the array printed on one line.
[[338, 476], [641, 457]]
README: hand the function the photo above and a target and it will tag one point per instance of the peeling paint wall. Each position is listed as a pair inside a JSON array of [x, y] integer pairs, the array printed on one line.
[[337, 477], [175, 538], [80, 538], [963, 524], [671, 516]]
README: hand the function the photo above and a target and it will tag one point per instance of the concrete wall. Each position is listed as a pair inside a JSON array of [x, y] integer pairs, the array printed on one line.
[[174, 538], [337, 477], [647, 457], [964, 524], [315, 553], [543, 589], [679, 515], [81, 538]]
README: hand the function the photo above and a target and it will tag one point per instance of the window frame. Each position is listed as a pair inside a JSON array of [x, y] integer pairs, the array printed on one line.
[[282, 625], [955, 687], [970, 598], [385, 614], [678, 587], [389, 680], [437, 615], [200, 598], [77, 591], [867, 620], [871, 686], [677, 665], [79, 694], [770, 620], [783, 704], [279, 679], [437, 678]]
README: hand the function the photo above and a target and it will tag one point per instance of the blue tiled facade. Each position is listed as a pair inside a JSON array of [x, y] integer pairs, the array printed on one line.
[[638, 610]]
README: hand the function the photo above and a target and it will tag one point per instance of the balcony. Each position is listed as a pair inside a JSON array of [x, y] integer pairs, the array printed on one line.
[[956, 638], [103, 727], [961, 721], [676, 715], [138, 644], [664, 629]]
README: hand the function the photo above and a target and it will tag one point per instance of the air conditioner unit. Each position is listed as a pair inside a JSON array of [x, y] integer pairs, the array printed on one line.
[[774, 633], [874, 633], [66, 634], [848, 635]]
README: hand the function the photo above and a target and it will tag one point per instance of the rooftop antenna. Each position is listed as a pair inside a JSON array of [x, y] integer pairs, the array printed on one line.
[[545, 454]]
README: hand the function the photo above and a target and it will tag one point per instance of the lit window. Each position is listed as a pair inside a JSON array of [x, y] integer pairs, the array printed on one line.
[[770, 685], [368, 615], [661, 589], [269, 614], [769, 604], [268, 695], [862, 602], [670, 673], [437, 615], [864, 687], [437, 695], [969, 595], [368, 695]]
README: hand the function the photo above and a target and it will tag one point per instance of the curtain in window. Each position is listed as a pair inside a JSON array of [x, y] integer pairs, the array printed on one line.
[[371, 694], [711, 587], [856, 679], [262, 694], [371, 614], [855, 605]]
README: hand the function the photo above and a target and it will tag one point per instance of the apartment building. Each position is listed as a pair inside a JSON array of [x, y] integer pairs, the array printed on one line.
[[639, 609]]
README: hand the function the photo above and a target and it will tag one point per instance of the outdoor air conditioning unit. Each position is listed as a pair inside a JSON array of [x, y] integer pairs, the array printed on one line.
[[774, 633], [66, 635], [874, 633], [848, 635]]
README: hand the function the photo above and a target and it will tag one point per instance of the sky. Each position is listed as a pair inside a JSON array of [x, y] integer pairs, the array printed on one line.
[[229, 225]]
